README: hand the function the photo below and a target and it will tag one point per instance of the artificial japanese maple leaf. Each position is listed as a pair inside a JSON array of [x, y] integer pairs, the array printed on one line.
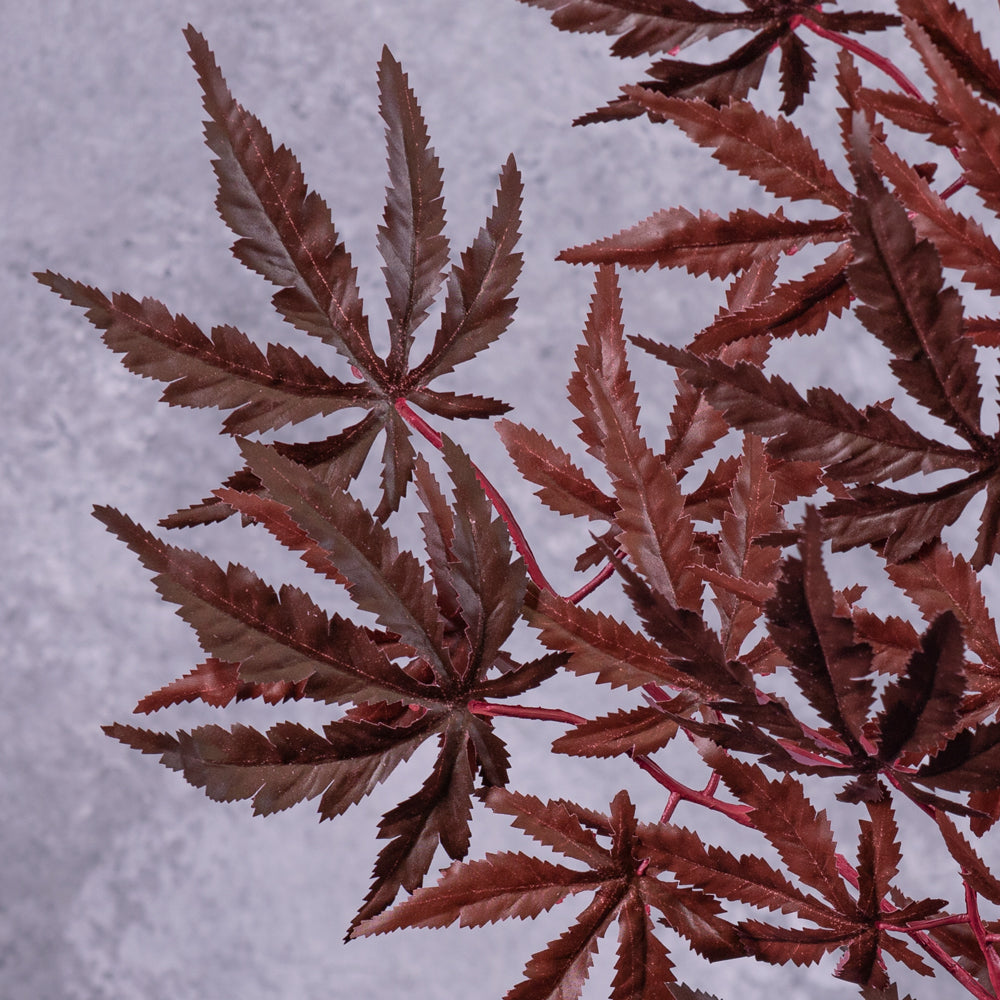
[[926, 733], [646, 28], [901, 298], [447, 633], [803, 837], [663, 562], [285, 234], [623, 877], [890, 254], [782, 160]]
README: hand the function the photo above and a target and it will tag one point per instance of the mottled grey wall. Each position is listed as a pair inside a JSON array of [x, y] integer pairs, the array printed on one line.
[[119, 880]]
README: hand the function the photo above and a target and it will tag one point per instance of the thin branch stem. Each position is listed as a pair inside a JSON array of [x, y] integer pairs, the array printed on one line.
[[735, 811], [526, 712], [518, 537], [876, 59], [989, 952], [928, 925]]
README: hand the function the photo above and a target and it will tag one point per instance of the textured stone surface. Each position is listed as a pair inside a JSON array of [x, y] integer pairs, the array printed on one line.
[[120, 880]]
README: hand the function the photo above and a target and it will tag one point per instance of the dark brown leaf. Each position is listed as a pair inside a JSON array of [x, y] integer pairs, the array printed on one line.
[[770, 151], [286, 234], [906, 305], [265, 391], [705, 243], [411, 238], [954, 35]]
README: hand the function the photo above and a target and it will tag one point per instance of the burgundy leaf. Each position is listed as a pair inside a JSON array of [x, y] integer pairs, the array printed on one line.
[[227, 371], [381, 578], [706, 243], [921, 708], [643, 966], [599, 644], [411, 239], [218, 683], [901, 524], [801, 835], [288, 765], [478, 305], [961, 241], [770, 151], [803, 306], [865, 446], [274, 637], [798, 69], [637, 731], [906, 305], [286, 234], [473, 893], [975, 123], [564, 487], [752, 514], [831, 667], [559, 971], [955, 36], [555, 824], [438, 813], [655, 530], [938, 581]]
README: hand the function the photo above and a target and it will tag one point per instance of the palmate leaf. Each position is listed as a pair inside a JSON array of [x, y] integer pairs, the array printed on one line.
[[649, 28], [804, 839], [625, 890], [285, 233], [889, 263], [447, 631], [829, 649]]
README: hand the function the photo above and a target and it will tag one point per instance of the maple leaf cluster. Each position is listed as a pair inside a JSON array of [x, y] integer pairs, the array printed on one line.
[[738, 641]]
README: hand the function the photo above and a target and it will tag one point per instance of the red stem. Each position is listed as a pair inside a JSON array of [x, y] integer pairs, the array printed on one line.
[[989, 952], [869, 55], [956, 185], [418, 423], [526, 712], [734, 811], [929, 925]]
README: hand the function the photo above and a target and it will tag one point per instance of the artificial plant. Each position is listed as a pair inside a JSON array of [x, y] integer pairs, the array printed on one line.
[[738, 640]]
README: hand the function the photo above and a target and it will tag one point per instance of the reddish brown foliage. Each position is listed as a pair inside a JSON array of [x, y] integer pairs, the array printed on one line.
[[724, 571]]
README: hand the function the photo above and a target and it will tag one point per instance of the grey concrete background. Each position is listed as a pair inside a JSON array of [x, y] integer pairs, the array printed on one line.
[[119, 880]]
